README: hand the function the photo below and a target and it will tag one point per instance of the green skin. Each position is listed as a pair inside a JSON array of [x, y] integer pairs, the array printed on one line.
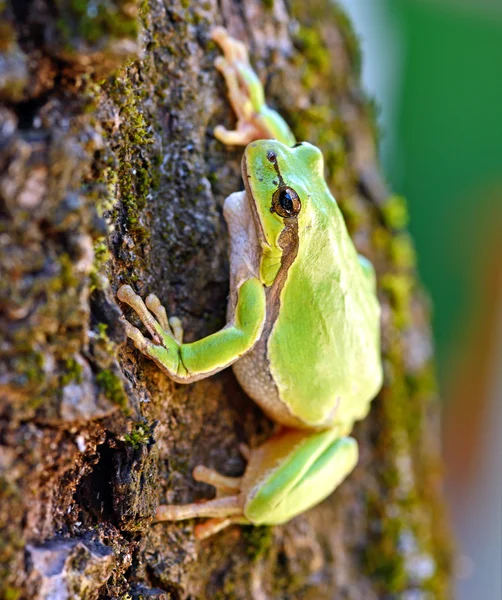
[[304, 321]]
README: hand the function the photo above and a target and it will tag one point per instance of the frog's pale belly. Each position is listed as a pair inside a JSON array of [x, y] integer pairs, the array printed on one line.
[[253, 373]]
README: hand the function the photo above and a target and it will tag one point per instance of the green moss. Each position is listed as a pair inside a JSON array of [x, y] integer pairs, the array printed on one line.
[[351, 41], [399, 287], [101, 257], [395, 212], [313, 13], [259, 541], [135, 177], [140, 435], [402, 251], [109, 177], [373, 112], [315, 57], [113, 388], [102, 332], [30, 366], [381, 558], [95, 22], [351, 213], [73, 372], [66, 277], [12, 593]]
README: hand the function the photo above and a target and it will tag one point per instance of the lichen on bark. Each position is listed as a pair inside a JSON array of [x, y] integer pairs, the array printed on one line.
[[109, 174]]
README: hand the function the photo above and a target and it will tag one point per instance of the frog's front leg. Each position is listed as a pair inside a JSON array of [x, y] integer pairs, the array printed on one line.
[[186, 363], [255, 120], [291, 472]]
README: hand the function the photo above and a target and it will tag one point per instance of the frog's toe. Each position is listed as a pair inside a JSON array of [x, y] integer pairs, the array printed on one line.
[[144, 345], [212, 526], [222, 483], [126, 294], [233, 49], [221, 64], [242, 136], [164, 349], [134, 334], [219, 507], [154, 305], [177, 329], [158, 325]]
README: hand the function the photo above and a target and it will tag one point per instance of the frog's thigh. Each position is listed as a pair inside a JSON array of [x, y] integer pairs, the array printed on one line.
[[322, 467]]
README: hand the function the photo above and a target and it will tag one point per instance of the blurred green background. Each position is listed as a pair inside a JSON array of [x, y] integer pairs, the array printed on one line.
[[435, 69], [449, 129]]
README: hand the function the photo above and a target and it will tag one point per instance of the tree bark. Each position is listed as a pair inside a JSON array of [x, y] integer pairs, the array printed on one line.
[[110, 175]]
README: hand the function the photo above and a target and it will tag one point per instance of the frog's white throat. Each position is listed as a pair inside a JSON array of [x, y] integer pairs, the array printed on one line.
[[245, 247]]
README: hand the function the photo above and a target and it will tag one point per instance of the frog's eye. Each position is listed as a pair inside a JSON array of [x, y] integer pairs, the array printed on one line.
[[286, 202]]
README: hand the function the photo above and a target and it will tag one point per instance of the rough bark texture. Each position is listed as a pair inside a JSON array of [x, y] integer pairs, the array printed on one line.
[[109, 175]]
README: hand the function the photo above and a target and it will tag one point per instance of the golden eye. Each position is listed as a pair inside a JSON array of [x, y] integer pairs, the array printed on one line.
[[286, 202]]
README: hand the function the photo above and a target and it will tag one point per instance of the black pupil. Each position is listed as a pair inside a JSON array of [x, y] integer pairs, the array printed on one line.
[[286, 201]]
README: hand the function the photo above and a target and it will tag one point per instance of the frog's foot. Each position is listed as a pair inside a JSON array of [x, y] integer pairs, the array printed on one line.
[[167, 334], [226, 509], [255, 120], [245, 91], [248, 121]]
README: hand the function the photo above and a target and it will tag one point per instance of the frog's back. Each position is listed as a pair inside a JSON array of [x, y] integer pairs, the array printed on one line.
[[324, 347]]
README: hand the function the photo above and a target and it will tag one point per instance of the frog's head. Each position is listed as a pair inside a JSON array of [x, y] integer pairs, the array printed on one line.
[[280, 182]]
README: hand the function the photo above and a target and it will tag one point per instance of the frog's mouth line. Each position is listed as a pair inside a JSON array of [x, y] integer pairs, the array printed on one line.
[[288, 239]]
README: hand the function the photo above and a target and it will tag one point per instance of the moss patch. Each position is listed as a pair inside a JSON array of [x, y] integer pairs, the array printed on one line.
[[113, 388], [141, 434], [95, 22], [259, 541], [72, 372]]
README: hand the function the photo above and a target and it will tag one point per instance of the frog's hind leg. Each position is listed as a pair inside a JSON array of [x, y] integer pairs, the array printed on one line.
[[309, 467]]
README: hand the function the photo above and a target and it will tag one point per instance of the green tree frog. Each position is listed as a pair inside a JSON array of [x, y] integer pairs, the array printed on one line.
[[303, 331]]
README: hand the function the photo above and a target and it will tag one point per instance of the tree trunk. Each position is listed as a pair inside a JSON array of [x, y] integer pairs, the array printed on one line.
[[110, 174]]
